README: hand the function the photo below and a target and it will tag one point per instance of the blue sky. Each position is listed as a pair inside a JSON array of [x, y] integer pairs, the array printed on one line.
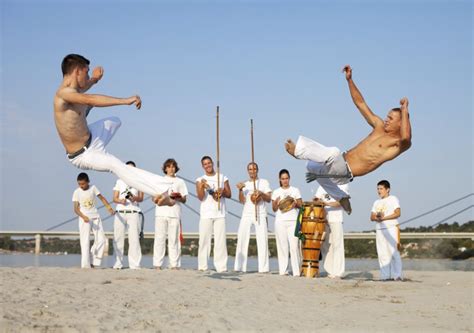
[[276, 62]]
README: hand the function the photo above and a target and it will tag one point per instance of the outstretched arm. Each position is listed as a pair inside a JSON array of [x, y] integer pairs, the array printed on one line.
[[405, 126], [359, 101], [74, 97]]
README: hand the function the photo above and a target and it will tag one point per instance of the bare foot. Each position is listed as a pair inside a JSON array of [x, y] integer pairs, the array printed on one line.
[[290, 147], [346, 204], [164, 200]]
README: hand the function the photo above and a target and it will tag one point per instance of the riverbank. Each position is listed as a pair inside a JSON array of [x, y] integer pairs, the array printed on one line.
[[71, 299]]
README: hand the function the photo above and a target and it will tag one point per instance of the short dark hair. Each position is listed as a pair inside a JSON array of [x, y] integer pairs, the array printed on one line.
[[168, 162], [72, 61], [206, 158], [396, 110], [252, 163], [83, 176], [283, 172], [131, 163], [384, 183]]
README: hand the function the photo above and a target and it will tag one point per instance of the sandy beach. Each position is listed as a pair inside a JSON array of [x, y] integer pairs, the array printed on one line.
[[75, 300]]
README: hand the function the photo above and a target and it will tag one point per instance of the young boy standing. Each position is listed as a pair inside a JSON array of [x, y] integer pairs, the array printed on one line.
[[385, 213], [89, 219]]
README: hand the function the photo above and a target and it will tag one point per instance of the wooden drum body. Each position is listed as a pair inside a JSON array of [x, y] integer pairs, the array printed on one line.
[[313, 226]]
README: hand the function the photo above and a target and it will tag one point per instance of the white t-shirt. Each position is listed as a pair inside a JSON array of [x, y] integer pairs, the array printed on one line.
[[122, 189], [262, 185], [209, 207], [281, 192], [334, 214], [387, 206], [177, 186], [86, 200]]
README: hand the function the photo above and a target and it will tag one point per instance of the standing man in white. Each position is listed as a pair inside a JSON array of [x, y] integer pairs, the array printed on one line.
[[168, 219], [127, 218], [89, 219], [333, 245], [212, 194], [285, 221], [385, 213], [250, 198]]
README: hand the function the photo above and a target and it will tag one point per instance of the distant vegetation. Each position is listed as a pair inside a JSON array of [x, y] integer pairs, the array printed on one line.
[[354, 248]]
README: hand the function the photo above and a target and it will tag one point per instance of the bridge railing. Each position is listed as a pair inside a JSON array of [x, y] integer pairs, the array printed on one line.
[[39, 235]]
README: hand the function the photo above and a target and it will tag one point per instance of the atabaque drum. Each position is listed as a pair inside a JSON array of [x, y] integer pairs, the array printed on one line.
[[313, 232]]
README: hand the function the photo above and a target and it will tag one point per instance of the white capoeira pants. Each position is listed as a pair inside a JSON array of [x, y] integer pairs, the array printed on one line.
[[96, 158], [324, 161], [243, 239], [333, 249], [167, 226], [206, 227], [287, 245], [122, 222], [390, 261], [98, 247]]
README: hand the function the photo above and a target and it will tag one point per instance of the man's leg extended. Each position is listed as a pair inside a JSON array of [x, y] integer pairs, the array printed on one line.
[[307, 149]]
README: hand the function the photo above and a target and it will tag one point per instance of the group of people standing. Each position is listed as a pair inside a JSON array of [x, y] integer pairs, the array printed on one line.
[[212, 190], [85, 146]]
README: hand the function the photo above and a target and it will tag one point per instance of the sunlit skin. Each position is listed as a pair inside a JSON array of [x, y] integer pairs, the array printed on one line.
[[257, 195], [72, 105], [388, 139], [285, 184], [202, 186]]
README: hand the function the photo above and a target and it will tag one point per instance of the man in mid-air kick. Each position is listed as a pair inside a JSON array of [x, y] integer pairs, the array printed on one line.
[[388, 139], [85, 144]]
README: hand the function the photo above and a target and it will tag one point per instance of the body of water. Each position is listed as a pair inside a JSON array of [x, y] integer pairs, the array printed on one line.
[[187, 262]]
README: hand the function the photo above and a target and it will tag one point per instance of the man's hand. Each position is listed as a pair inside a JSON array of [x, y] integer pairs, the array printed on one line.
[[97, 74], [348, 70], [256, 197], [111, 210], [404, 103], [203, 184], [217, 194], [240, 186], [135, 100]]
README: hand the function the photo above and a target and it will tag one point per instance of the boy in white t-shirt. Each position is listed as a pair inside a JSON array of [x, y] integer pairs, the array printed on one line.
[[212, 193], [168, 219], [89, 219], [128, 210], [254, 213], [385, 212]]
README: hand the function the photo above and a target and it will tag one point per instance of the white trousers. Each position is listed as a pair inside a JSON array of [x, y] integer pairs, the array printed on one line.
[[98, 247], [390, 261], [167, 226], [243, 238], [96, 158], [122, 222], [206, 227], [333, 249], [287, 245], [322, 161]]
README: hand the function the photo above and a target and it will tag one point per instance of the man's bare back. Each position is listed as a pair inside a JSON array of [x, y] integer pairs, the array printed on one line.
[[388, 139]]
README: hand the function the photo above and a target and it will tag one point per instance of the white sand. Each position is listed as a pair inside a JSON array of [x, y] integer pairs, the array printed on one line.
[[71, 299]]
